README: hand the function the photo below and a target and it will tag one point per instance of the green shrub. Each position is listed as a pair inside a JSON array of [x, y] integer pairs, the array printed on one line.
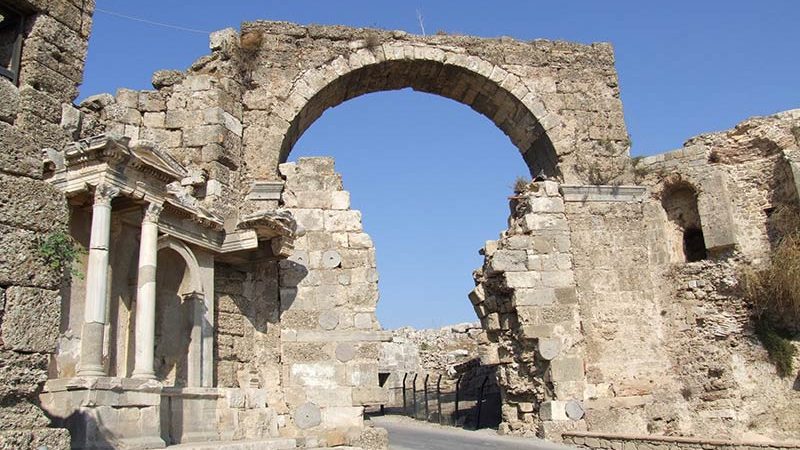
[[781, 351], [60, 251]]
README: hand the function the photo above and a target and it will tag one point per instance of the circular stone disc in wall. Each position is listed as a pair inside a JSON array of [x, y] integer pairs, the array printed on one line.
[[307, 415], [328, 320], [331, 259], [549, 348], [574, 410], [345, 351]]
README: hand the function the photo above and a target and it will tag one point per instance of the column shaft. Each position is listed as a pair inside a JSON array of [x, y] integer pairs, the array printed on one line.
[[96, 297], [146, 295]]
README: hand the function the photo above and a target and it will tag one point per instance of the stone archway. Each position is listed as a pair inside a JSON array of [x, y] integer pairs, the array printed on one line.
[[470, 80], [557, 102]]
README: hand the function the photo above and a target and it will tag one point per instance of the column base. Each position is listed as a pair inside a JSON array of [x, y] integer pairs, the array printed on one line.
[[92, 372], [144, 375]]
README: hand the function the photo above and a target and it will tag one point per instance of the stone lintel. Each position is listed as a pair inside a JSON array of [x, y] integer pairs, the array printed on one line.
[[602, 193], [265, 190]]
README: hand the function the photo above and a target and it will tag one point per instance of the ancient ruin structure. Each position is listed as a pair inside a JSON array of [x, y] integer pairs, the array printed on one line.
[[228, 295]]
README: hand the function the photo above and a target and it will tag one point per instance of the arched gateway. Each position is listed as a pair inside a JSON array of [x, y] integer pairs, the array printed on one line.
[[279, 280]]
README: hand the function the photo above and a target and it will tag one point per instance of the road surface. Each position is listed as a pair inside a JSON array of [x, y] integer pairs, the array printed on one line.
[[407, 434]]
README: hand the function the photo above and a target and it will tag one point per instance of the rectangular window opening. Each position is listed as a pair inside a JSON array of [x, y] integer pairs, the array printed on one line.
[[12, 25]]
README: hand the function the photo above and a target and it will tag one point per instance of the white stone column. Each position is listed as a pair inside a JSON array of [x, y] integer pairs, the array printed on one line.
[[146, 295], [96, 298]]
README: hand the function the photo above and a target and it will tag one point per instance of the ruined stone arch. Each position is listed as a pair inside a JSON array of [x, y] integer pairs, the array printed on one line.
[[485, 87]]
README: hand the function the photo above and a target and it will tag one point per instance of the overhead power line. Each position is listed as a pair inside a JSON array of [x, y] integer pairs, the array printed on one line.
[[150, 22]]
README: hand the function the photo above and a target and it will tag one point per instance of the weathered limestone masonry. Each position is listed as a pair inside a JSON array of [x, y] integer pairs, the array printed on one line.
[[45, 65], [657, 334], [230, 295], [526, 299], [330, 338]]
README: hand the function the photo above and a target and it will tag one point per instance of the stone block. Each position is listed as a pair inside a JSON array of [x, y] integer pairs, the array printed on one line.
[[18, 153], [477, 295], [154, 119], [370, 396], [509, 261], [533, 297], [339, 396], [316, 165], [514, 280], [21, 262], [558, 279], [359, 240], [362, 374], [567, 368], [342, 220], [203, 135], [313, 375], [545, 204], [310, 219], [566, 295], [21, 374], [553, 410], [152, 101], [31, 204], [538, 222], [343, 417], [340, 200], [491, 322], [31, 319], [537, 331], [9, 101]]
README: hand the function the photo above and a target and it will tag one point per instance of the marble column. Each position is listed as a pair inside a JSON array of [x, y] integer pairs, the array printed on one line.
[[96, 298], [146, 295]]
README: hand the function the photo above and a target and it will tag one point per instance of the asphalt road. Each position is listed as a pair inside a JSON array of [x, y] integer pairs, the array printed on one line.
[[408, 434]]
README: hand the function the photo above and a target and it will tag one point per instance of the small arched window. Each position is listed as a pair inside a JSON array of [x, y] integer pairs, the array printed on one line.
[[11, 29], [685, 232]]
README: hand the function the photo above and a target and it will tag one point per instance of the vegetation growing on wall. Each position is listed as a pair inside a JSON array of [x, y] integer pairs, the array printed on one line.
[[249, 45], [60, 251], [774, 291]]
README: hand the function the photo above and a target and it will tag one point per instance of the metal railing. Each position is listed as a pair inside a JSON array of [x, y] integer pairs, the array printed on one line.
[[455, 407]]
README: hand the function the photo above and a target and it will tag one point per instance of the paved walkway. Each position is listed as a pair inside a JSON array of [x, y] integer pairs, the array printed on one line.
[[408, 434]]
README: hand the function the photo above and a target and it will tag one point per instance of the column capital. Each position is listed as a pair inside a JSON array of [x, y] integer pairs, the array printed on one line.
[[104, 193], [152, 212]]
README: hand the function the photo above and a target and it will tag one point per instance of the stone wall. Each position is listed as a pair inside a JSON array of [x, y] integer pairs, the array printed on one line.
[[526, 299], [31, 117], [330, 341], [237, 112], [647, 342]]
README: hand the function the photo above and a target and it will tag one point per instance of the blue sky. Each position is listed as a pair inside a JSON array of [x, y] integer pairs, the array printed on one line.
[[431, 176]]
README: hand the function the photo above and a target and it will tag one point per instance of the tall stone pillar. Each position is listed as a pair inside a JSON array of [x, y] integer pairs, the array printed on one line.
[[146, 295], [91, 363]]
